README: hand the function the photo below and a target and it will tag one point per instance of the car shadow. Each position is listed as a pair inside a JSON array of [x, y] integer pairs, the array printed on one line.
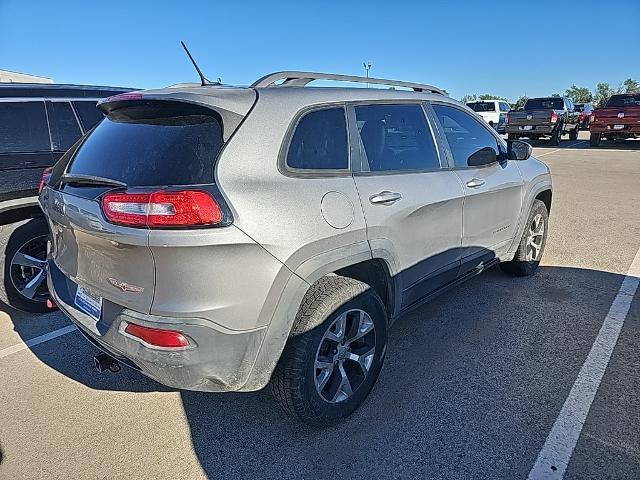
[[474, 377], [583, 144]]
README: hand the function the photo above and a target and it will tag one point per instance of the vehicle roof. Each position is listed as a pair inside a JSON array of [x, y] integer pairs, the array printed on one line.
[[487, 101], [49, 90]]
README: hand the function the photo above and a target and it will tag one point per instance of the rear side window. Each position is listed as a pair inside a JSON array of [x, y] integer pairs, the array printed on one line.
[[23, 127], [63, 124], [320, 141], [470, 142], [482, 106], [396, 137], [153, 144], [88, 113]]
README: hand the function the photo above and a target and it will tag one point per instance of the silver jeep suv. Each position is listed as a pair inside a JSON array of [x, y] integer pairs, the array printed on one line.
[[222, 238]]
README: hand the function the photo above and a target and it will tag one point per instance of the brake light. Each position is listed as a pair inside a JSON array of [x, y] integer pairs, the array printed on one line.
[[46, 175], [124, 96], [183, 208], [554, 117], [157, 337], [592, 118]]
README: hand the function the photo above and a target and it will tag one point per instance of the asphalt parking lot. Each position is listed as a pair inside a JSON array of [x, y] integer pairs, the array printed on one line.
[[473, 384]]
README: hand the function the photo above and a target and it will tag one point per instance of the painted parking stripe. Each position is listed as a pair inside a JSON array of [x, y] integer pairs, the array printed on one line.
[[554, 457], [5, 352], [558, 149]]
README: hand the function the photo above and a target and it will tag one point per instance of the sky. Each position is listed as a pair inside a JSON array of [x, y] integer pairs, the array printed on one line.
[[506, 48]]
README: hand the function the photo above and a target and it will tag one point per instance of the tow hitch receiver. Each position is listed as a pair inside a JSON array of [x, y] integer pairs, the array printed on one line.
[[104, 362]]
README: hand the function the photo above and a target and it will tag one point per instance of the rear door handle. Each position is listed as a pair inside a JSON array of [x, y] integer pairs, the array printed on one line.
[[385, 198], [475, 183]]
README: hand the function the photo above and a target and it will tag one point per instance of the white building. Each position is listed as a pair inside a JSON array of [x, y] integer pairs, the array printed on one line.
[[14, 77]]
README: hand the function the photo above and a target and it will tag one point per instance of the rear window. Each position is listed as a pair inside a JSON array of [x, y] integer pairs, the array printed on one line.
[[554, 103], [624, 101], [65, 130], [88, 113], [153, 144], [23, 127], [482, 106]]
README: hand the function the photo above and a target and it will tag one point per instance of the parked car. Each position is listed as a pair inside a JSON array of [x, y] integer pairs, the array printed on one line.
[[218, 238], [618, 119], [544, 117], [494, 112], [38, 123], [585, 109]]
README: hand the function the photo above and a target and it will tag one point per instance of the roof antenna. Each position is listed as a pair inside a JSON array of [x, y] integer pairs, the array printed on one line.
[[203, 80]]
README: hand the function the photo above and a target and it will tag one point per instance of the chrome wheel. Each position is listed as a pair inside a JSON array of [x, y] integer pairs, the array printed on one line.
[[28, 270], [345, 355], [535, 238]]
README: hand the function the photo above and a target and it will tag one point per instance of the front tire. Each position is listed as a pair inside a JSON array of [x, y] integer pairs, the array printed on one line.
[[527, 258], [594, 139], [25, 274], [334, 353]]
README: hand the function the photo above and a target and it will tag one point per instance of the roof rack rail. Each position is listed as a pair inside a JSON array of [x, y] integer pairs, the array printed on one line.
[[300, 79]]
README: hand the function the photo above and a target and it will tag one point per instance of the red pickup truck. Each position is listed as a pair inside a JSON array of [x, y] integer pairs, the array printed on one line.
[[618, 119]]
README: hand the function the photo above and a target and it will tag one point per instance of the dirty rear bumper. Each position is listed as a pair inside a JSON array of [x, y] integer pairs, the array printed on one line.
[[220, 360]]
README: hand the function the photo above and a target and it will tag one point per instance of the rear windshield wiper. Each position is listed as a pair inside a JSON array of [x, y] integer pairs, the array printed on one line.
[[79, 179]]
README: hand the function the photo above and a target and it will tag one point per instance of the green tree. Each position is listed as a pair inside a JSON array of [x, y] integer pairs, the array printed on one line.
[[488, 96], [555, 95], [579, 94], [520, 102], [603, 92], [631, 86]]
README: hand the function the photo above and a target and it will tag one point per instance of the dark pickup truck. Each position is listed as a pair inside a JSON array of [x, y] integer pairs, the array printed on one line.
[[38, 123], [544, 117], [618, 119]]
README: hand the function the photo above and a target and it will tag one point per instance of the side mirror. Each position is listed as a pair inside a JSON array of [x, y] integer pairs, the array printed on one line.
[[518, 150], [484, 156]]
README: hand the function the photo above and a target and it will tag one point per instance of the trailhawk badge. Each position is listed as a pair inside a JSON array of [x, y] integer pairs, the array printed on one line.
[[125, 287]]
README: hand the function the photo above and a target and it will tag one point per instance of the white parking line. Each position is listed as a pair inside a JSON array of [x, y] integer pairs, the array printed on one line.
[[5, 352], [554, 457], [558, 149]]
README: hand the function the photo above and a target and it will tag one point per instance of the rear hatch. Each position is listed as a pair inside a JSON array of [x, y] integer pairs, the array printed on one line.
[[149, 164]]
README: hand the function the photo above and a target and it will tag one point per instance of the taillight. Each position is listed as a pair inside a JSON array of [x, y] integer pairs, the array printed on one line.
[[508, 119], [157, 337], [46, 175], [182, 208], [554, 117], [592, 118]]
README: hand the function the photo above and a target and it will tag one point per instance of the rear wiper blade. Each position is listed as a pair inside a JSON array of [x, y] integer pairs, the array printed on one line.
[[90, 180]]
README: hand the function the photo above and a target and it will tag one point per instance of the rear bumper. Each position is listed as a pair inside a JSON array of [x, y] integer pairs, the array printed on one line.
[[219, 360], [535, 130], [631, 129]]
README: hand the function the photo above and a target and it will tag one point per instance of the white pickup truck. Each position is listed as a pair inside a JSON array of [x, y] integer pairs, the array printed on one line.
[[494, 112]]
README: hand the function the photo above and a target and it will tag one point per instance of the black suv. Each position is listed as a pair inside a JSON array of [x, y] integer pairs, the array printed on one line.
[[38, 123]]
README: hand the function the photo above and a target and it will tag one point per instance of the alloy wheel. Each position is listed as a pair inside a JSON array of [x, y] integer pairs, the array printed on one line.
[[535, 238], [28, 269], [345, 355]]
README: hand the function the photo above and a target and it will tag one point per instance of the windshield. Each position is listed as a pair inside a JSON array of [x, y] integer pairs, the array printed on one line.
[[624, 100], [157, 143], [551, 103], [482, 106]]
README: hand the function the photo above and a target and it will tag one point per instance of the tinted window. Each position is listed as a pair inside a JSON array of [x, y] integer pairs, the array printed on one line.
[[63, 124], [159, 143], [504, 107], [482, 106], [624, 101], [23, 127], [89, 114], [320, 141], [470, 142], [552, 103], [396, 137]]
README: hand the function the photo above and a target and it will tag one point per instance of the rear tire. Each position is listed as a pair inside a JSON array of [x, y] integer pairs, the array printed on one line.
[[25, 282], [319, 395], [594, 139], [555, 136], [573, 134], [527, 258]]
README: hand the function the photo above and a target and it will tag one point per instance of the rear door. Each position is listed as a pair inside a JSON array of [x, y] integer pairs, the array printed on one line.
[[412, 206], [493, 188]]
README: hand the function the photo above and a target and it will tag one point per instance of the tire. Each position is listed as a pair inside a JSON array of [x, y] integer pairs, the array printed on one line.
[[294, 383], [555, 136], [594, 139], [29, 239], [522, 264], [573, 134]]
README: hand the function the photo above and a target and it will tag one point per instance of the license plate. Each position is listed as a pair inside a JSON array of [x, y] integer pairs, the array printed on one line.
[[528, 127], [618, 127], [89, 303]]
